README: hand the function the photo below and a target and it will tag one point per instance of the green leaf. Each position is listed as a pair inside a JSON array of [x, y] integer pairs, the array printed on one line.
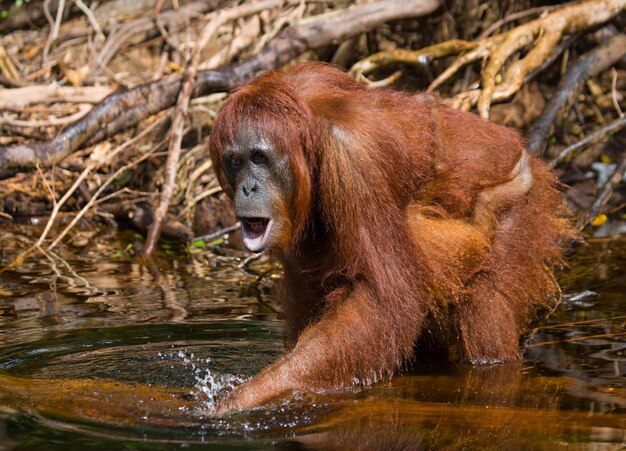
[[199, 243]]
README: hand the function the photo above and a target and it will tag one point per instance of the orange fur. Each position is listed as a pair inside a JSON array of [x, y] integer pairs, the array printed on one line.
[[406, 216]]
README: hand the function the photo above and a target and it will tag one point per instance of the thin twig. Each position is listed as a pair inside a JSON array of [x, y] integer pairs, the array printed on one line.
[[212, 236], [112, 177], [145, 195], [48, 15], [539, 10], [575, 339], [182, 105], [598, 135], [159, 23], [614, 92], [54, 32], [57, 206], [595, 322], [90, 17], [199, 197]]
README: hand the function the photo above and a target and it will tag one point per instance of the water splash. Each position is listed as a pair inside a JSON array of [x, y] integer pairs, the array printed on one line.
[[210, 386]]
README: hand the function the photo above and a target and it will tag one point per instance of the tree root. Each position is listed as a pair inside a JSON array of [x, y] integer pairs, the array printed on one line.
[[541, 34]]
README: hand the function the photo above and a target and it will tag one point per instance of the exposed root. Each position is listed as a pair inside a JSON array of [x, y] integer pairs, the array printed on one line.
[[422, 56], [542, 35], [479, 52]]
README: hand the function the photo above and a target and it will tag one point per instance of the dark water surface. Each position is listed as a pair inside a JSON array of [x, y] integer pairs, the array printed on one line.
[[98, 352]]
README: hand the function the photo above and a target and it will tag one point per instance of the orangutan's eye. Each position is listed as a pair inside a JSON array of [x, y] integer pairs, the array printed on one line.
[[235, 161], [259, 158]]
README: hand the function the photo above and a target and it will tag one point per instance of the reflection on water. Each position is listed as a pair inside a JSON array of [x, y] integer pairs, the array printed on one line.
[[587, 340], [96, 352]]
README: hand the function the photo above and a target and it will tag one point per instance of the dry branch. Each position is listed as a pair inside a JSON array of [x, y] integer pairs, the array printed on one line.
[[148, 26], [98, 157], [103, 186], [588, 65], [125, 108], [542, 35], [55, 25]]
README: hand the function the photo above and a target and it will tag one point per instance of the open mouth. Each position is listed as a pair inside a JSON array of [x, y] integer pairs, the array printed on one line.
[[255, 232]]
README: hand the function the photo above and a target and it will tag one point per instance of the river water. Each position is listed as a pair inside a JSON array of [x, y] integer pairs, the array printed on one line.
[[99, 352]]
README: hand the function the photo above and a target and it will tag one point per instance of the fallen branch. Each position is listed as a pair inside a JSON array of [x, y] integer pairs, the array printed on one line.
[[14, 99], [542, 34], [588, 65], [125, 108], [598, 135]]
